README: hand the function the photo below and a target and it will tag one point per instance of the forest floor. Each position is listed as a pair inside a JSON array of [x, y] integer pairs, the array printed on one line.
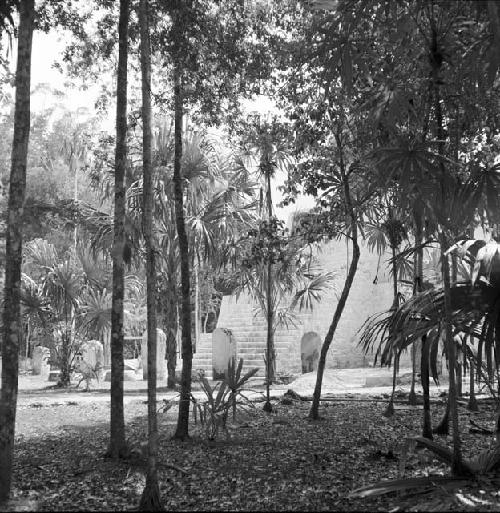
[[282, 461]]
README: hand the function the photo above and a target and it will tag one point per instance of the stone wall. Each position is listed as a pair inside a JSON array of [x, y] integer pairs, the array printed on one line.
[[366, 298]]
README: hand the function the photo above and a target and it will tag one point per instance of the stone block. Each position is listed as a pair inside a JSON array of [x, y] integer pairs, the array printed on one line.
[[41, 357], [161, 347], [223, 350], [54, 375], [91, 358], [128, 375]]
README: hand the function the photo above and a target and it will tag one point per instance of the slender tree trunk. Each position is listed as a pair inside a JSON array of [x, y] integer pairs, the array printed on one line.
[[182, 431], [269, 346], [65, 375], [314, 412], [117, 443], [472, 406], [443, 428], [417, 288], [270, 352], [389, 412], [412, 396], [459, 380], [457, 464], [171, 327], [197, 329], [394, 278], [13, 251], [424, 375], [390, 407], [150, 499]]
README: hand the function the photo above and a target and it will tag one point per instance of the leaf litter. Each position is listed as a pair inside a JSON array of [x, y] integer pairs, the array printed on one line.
[[277, 462]]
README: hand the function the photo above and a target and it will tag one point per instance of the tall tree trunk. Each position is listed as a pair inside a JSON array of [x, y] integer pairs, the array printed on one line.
[[117, 443], [457, 464], [314, 412], [472, 406], [150, 499], [417, 288], [270, 352], [389, 412], [424, 376], [443, 428], [395, 301], [182, 431], [13, 251], [269, 341], [65, 364], [459, 380], [171, 327]]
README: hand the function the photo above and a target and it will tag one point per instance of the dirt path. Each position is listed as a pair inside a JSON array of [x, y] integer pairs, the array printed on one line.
[[35, 391]]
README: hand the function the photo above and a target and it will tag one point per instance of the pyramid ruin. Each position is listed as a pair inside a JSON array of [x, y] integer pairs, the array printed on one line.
[[371, 293]]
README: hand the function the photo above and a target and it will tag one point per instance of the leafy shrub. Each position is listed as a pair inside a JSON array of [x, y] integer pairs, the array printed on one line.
[[220, 399]]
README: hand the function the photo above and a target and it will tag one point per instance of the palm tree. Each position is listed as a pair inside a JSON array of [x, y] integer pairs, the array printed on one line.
[[295, 280], [266, 147], [75, 290]]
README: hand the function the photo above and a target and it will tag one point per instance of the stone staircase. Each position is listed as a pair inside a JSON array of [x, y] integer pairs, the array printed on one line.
[[202, 359], [250, 333], [367, 297]]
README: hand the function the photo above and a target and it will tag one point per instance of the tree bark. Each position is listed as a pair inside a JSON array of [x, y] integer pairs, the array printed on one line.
[[417, 288], [13, 252], [314, 412], [472, 406], [424, 376], [150, 499], [270, 352], [389, 412], [394, 278], [117, 442], [269, 340], [182, 431], [457, 464], [65, 363], [171, 327]]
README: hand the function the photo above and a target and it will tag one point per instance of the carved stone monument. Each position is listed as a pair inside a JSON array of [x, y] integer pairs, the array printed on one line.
[[223, 350], [310, 346], [41, 357], [92, 358], [161, 346]]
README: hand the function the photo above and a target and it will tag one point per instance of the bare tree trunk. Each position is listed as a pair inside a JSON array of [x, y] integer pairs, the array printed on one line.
[[457, 464], [424, 376], [182, 431], [65, 363], [117, 443], [270, 352], [13, 251], [395, 301], [171, 327], [459, 380], [150, 499], [269, 341], [472, 406], [412, 396], [417, 288], [314, 412], [389, 412]]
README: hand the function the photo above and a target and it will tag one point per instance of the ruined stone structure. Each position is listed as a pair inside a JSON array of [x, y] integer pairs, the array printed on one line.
[[298, 348]]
